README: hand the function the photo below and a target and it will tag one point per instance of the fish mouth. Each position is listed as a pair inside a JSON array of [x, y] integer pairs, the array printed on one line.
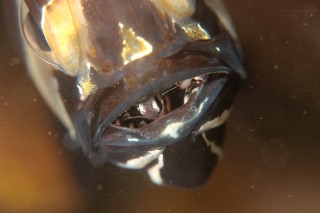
[[156, 117], [158, 107], [161, 104]]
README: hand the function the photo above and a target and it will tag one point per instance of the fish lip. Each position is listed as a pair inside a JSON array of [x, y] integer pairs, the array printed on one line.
[[112, 135]]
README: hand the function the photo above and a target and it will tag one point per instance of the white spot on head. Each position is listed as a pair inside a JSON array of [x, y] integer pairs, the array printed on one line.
[[134, 46]]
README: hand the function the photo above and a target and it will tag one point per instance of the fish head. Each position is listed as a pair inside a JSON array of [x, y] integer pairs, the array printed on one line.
[[142, 84]]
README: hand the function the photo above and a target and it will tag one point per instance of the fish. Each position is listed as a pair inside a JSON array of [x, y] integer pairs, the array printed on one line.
[[146, 85]]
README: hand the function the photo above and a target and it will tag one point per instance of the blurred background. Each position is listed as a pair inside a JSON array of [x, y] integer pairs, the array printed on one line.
[[271, 161]]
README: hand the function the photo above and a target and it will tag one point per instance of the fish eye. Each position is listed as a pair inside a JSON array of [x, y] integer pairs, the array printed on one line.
[[34, 36]]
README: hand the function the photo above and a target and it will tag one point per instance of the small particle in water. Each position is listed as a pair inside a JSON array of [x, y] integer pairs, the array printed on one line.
[[290, 195], [6, 104], [99, 187], [305, 24], [261, 118], [252, 186], [49, 133], [15, 60], [276, 67], [304, 112], [35, 100]]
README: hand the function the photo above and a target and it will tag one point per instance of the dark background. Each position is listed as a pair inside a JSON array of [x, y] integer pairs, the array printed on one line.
[[271, 161]]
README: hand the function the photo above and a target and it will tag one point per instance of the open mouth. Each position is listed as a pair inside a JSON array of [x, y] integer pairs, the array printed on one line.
[[165, 117], [161, 104]]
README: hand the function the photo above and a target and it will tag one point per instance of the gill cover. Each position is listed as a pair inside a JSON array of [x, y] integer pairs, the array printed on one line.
[[143, 84]]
